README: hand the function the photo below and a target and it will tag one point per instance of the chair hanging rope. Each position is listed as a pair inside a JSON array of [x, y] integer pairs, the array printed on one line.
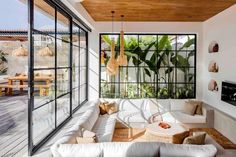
[[122, 58], [112, 65]]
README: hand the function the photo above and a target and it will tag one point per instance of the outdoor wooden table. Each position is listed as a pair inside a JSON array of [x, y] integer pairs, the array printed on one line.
[[22, 79]]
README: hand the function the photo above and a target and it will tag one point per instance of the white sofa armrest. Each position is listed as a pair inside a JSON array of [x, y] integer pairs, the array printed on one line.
[[209, 114]]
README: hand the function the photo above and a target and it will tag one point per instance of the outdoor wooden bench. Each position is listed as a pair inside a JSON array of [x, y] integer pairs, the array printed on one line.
[[43, 89]]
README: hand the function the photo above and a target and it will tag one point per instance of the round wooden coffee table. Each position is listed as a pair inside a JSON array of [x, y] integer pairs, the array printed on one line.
[[175, 134]]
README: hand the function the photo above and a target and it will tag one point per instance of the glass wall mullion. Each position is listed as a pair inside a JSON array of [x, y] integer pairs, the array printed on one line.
[[79, 67], [55, 68], [157, 75], [70, 62]]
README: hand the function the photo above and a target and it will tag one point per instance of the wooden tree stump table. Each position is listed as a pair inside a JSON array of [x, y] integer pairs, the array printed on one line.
[[175, 134]]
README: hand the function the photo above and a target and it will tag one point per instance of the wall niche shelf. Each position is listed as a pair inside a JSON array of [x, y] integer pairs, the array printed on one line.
[[213, 67], [213, 47], [213, 86]]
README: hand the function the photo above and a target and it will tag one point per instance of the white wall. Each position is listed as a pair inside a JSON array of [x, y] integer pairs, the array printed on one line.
[[221, 28]]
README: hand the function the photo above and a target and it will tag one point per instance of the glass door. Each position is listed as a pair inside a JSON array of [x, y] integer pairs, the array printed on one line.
[[57, 70]]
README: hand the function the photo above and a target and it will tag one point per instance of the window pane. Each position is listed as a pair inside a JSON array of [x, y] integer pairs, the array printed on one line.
[[83, 92], [75, 77], [83, 39], [184, 91], [166, 75], [75, 35], [44, 17], [75, 98], [44, 87], [106, 42], [132, 43], [147, 75], [129, 90], [147, 42], [83, 56], [109, 90], [83, 77], [168, 42], [62, 81], [128, 74], [63, 53], [147, 90], [43, 121], [63, 27], [166, 91], [75, 59], [185, 75], [44, 51], [186, 42], [63, 108]]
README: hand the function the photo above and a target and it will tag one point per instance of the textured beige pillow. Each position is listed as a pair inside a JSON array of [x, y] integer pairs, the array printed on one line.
[[197, 138], [85, 140], [199, 106], [102, 107], [189, 108], [111, 108]]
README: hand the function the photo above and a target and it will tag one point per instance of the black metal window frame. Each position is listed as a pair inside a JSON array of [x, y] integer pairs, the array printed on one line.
[[73, 21], [157, 83]]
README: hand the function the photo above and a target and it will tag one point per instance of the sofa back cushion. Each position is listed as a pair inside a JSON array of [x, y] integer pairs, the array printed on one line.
[[186, 150], [159, 105], [133, 105], [79, 150], [177, 104], [89, 118], [131, 149]]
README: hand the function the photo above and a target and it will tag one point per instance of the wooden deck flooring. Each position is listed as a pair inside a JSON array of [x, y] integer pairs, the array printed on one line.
[[13, 132]]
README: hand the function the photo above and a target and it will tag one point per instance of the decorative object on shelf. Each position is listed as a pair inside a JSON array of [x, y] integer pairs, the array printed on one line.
[[112, 65], [20, 52], [212, 86], [3, 62], [45, 52], [213, 47], [164, 125], [122, 58], [213, 67]]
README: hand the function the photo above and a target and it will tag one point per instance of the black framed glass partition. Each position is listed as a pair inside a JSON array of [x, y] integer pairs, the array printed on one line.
[[57, 69], [159, 66]]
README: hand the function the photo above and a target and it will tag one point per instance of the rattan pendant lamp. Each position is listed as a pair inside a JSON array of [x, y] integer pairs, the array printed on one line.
[[122, 58], [20, 52], [45, 52], [112, 65]]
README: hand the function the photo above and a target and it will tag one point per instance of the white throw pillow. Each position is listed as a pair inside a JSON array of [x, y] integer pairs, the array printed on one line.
[[87, 133]]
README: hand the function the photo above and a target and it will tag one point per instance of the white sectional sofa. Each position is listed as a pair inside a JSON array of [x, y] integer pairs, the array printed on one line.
[[137, 112], [131, 112]]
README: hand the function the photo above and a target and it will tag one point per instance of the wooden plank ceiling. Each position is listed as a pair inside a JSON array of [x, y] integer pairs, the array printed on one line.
[[156, 10]]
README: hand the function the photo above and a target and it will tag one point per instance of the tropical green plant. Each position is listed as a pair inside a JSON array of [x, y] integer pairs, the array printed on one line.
[[3, 61], [162, 56]]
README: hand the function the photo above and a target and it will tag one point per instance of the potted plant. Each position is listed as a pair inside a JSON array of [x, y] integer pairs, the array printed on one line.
[[3, 62]]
